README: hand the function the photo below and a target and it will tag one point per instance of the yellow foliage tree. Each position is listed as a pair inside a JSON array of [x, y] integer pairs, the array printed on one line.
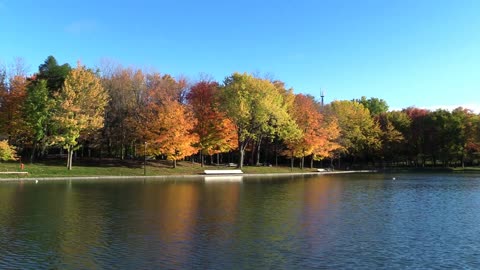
[[7, 152], [79, 109]]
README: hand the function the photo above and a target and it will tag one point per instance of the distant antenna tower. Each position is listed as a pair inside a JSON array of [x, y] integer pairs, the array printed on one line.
[[322, 95]]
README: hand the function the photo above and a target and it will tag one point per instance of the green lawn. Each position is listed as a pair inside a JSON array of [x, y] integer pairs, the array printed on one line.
[[57, 168]]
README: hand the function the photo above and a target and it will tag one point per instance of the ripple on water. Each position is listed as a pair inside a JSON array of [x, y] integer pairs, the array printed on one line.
[[347, 222]]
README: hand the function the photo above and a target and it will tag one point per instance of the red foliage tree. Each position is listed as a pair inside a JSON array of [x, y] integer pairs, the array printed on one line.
[[215, 131]]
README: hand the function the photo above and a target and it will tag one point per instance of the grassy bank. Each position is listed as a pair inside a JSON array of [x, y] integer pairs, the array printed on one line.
[[57, 168]]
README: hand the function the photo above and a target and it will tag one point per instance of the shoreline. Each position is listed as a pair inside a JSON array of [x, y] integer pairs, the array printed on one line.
[[173, 177]]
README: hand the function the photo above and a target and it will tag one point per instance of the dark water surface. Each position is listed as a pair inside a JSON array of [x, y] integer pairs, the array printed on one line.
[[361, 221]]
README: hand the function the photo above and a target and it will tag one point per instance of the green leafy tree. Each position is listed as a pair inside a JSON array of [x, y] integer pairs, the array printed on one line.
[[443, 135], [469, 137], [395, 127], [376, 106], [360, 133], [39, 103], [37, 112], [53, 73], [454, 135], [392, 139], [79, 109], [256, 108]]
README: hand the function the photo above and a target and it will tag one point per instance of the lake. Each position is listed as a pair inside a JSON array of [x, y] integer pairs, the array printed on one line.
[[354, 221]]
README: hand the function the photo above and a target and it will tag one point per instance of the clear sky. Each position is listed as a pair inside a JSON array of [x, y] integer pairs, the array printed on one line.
[[423, 53]]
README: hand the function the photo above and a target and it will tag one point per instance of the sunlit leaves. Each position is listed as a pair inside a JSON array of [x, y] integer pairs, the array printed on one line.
[[215, 131], [7, 152], [79, 109], [359, 131], [256, 108]]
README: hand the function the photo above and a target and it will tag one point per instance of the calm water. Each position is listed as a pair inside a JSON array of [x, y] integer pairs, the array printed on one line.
[[363, 221]]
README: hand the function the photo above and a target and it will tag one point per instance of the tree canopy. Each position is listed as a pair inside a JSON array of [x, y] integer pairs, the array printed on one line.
[[79, 109], [115, 112]]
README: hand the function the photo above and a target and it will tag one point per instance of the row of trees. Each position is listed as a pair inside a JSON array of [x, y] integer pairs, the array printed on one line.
[[123, 113]]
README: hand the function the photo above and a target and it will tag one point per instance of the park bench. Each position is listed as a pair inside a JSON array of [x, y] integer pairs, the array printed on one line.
[[223, 172]]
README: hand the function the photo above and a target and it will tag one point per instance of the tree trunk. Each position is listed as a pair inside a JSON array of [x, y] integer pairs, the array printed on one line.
[[251, 160], [241, 147], [311, 162], [34, 147], [242, 156], [302, 162], [202, 161], [258, 151], [291, 162], [174, 163], [69, 158], [276, 153]]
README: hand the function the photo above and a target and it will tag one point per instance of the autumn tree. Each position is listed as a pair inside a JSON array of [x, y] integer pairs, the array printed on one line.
[[39, 103], [7, 152], [216, 133], [79, 109], [283, 127], [170, 87], [329, 143], [255, 107], [318, 136], [391, 138], [360, 134], [125, 87], [174, 135], [162, 121], [13, 85], [417, 135]]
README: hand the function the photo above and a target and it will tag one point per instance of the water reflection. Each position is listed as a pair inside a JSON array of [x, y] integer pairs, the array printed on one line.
[[357, 221]]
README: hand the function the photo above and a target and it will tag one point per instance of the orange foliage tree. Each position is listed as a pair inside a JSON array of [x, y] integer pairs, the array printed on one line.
[[174, 137], [12, 96], [164, 122], [318, 136], [216, 133], [126, 87]]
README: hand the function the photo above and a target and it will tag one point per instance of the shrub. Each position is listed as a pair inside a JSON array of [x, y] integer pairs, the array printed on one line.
[[7, 152]]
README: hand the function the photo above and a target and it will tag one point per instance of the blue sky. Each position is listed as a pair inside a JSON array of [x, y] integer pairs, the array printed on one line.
[[422, 53]]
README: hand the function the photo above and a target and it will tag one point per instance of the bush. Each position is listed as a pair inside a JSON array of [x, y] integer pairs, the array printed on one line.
[[7, 152]]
